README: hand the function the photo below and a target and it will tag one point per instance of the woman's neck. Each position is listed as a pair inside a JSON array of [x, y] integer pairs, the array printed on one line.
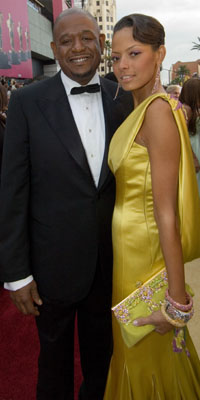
[[141, 94]]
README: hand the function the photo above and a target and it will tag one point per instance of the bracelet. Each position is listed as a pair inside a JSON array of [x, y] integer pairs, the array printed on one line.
[[182, 307], [176, 314], [177, 323]]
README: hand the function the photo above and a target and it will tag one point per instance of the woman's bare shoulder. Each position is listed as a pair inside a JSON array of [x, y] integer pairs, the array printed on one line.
[[158, 105], [159, 113]]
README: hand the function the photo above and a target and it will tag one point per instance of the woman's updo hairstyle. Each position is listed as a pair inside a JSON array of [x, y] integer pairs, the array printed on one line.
[[146, 29]]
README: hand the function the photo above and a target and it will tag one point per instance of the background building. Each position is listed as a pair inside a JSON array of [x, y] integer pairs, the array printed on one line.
[[191, 68], [79, 3], [105, 13], [40, 15]]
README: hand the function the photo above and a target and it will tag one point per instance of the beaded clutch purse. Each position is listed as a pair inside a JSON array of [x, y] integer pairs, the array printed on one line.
[[143, 301]]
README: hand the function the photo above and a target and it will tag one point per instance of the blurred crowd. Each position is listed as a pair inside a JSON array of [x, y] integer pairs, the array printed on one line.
[[11, 84]]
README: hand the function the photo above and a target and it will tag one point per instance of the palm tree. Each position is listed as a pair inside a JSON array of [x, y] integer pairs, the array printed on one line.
[[196, 45], [181, 73]]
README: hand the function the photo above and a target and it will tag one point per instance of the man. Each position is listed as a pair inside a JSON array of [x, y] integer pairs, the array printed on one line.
[[56, 208]]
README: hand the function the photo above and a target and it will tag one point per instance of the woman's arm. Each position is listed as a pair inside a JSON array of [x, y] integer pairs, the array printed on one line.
[[161, 136]]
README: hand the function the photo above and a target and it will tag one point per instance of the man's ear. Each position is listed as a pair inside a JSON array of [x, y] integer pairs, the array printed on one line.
[[102, 39], [53, 48]]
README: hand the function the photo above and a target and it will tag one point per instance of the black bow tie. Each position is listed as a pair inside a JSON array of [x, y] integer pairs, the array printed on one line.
[[89, 89]]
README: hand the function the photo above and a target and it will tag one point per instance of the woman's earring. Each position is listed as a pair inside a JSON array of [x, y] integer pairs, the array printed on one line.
[[157, 80], [117, 91]]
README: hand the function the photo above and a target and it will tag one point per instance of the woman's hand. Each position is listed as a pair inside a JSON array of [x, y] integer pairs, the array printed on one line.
[[156, 319]]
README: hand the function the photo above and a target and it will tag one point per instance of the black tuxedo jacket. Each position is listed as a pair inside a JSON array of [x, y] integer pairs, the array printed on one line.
[[54, 222]]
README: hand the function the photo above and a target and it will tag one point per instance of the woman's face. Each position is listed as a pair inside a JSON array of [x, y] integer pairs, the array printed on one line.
[[134, 63]]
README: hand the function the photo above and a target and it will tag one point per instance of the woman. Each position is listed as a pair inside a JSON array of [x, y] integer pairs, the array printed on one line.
[[174, 90], [190, 97], [149, 155]]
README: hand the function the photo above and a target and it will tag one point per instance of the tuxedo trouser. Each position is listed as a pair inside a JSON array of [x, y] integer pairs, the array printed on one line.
[[56, 333]]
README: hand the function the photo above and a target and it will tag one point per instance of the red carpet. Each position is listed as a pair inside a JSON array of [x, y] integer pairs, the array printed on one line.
[[19, 348]]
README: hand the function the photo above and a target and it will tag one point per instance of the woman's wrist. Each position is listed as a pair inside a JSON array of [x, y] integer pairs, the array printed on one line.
[[183, 306], [175, 313], [178, 296]]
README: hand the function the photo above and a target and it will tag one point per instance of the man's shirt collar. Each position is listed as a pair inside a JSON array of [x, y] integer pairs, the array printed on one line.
[[69, 83]]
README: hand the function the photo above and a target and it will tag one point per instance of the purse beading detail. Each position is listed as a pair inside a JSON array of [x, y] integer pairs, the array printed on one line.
[[143, 294]]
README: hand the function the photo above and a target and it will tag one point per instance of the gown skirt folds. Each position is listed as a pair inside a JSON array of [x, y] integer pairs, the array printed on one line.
[[153, 369]]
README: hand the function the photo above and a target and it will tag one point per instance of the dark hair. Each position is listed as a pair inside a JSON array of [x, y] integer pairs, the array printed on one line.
[[190, 95], [146, 29]]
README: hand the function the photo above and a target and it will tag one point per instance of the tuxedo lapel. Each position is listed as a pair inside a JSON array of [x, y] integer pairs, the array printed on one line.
[[56, 109]]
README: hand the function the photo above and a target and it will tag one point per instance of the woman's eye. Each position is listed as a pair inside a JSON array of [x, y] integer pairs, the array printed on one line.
[[134, 53], [114, 59]]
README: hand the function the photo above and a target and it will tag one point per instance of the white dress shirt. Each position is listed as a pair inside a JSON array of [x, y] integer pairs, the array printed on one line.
[[87, 110]]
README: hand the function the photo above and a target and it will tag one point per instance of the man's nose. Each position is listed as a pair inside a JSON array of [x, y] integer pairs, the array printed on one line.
[[78, 44]]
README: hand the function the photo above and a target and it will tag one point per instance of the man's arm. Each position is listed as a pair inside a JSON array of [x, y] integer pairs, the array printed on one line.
[[14, 209]]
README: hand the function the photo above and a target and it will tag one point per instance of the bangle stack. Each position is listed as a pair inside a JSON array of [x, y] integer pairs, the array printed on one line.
[[175, 313]]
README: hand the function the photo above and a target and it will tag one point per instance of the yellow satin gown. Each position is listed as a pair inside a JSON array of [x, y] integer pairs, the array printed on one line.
[[150, 370]]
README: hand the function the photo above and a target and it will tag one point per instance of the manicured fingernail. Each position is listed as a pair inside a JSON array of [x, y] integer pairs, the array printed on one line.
[[135, 322]]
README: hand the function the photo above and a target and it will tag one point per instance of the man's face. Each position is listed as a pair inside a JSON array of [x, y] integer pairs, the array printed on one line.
[[77, 46]]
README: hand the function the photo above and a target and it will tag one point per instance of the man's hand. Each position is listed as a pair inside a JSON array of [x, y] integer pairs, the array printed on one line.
[[27, 299], [156, 319]]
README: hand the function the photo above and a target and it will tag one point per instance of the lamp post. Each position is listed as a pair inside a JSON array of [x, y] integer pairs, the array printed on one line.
[[169, 73]]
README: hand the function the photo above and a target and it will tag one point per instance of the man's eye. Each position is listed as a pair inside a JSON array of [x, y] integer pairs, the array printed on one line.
[[66, 41], [86, 38]]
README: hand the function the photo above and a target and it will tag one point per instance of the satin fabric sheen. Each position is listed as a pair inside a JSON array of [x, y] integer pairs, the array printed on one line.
[[150, 370]]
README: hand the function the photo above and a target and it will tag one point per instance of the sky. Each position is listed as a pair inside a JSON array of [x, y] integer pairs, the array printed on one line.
[[181, 20]]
